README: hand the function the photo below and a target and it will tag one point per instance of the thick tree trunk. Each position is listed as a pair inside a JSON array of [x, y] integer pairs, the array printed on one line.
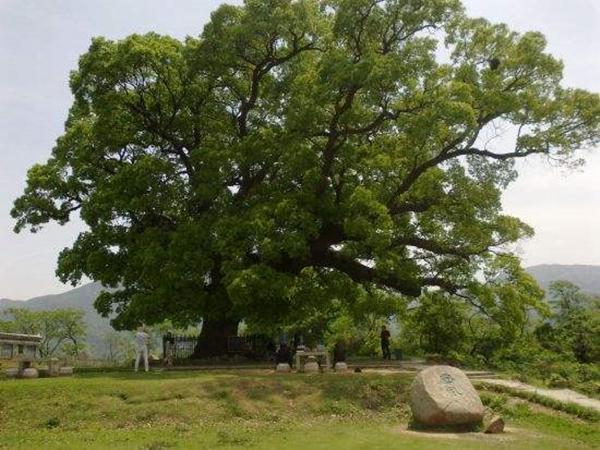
[[213, 337]]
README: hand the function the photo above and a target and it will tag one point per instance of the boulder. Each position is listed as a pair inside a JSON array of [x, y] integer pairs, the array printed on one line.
[[341, 367], [444, 396], [65, 371], [283, 368], [495, 426], [30, 372]]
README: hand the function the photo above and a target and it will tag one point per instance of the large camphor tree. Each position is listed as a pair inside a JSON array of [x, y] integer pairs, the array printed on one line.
[[299, 153]]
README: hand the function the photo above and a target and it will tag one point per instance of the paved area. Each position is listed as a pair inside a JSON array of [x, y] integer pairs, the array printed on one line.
[[562, 395]]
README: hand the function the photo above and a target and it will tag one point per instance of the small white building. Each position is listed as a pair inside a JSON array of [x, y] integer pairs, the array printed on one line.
[[19, 346]]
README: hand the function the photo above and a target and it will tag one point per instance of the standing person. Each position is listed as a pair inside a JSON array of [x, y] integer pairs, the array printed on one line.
[[385, 343], [141, 344], [169, 349], [283, 338], [339, 352]]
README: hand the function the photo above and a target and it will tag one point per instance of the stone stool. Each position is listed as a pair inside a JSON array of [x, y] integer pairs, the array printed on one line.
[[30, 372], [12, 373], [283, 368], [65, 371], [341, 366], [311, 366]]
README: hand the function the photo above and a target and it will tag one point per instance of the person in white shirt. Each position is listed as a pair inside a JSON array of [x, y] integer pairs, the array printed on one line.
[[141, 344]]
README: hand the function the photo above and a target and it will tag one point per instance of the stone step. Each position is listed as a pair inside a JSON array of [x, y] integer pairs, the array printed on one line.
[[408, 368], [392, 363], [484, 377]]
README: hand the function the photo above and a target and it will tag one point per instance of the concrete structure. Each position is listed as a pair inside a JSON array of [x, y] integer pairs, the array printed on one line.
[[19, 346], [311, 356], [22, 348]]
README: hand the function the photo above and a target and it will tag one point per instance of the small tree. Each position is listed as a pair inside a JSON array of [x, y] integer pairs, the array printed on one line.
[[575, 325], [119, 346], [566, 298], [437, 325], [489, 318], [57, 328], [7, 326]]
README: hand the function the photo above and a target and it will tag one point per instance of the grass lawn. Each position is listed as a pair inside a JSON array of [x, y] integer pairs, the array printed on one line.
[[252, 409]]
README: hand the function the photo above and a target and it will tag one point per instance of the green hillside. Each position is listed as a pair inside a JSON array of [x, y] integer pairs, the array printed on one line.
[[586, 277], [257, 410]]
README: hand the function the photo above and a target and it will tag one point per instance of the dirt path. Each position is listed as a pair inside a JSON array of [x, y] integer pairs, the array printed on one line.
[[562, 395]]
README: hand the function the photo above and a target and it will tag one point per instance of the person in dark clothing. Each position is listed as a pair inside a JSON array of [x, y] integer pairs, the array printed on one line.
[[339, 352], [385, 343], [169, 349], [283, 354]]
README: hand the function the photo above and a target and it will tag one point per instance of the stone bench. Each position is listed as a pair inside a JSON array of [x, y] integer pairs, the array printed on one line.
[[341, 366], [283, 368], [30, 372], [311, 366], [12, 372], [65, 371]]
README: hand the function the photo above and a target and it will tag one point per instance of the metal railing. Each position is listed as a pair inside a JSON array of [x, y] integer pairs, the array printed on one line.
[[257, 348]]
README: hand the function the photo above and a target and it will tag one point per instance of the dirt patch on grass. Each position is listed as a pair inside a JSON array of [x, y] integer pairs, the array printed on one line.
[[510, 434], [388, 371]]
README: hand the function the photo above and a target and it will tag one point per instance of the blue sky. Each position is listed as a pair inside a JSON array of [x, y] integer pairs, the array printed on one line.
[[41, 40]]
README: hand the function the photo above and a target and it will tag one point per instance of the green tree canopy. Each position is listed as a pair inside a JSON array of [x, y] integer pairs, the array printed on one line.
[[566, 298], [574, 327], [298, 153], [60, 329]]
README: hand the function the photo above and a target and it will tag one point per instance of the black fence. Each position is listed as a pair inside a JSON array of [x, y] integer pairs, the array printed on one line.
[[256, 348], [179, 347]]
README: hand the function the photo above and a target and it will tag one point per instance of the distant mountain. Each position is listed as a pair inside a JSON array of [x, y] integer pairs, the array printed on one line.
[[82, 297], [586, 277], [79, 298]]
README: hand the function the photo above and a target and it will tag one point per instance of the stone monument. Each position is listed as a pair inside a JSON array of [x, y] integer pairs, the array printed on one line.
[[444, 396]]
